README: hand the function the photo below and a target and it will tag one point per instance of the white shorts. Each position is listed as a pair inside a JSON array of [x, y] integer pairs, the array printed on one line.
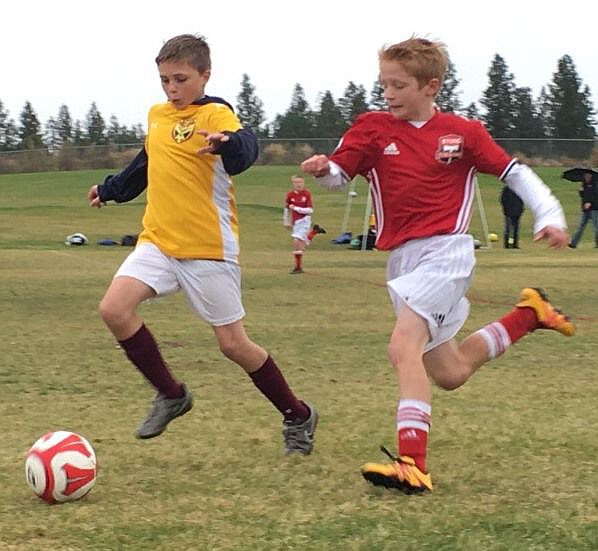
[[432, 277], [301, 228], [212, 287]]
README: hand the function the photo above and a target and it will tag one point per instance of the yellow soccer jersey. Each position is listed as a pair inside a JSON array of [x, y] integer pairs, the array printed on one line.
[[191, 210]]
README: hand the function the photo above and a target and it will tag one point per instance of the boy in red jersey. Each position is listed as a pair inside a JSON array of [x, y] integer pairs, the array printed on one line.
[[190, 240], [297, 213], [421, 166]]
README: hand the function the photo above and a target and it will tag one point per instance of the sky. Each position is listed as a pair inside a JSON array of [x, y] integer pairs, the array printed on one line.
[[76, 52]]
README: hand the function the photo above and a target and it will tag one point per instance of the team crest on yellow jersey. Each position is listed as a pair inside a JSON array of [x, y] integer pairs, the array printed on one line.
[[183, 130]]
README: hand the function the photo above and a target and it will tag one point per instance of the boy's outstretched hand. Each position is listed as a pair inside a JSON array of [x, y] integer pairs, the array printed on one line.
[[214, 140], [556, 237], [317, 165]]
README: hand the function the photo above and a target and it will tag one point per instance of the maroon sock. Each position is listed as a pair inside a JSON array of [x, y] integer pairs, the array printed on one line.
[[144, 353], [272, 384]]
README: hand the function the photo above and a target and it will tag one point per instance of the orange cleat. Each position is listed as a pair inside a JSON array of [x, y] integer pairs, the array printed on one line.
[[548, 316], [403, 474]]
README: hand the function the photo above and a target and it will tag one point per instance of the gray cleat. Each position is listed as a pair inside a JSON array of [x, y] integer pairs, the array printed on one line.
[[299, 437], [163, 411]]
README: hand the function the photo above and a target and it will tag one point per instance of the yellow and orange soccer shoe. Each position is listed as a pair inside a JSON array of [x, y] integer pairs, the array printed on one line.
[[548, 316], [403, 474]]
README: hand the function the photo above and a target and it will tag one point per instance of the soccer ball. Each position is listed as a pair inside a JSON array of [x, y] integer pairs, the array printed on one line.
[[61, 466], [492, 237]]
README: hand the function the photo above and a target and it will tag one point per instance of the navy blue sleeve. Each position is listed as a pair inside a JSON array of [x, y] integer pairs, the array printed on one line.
[[127, 184], [240, 152]]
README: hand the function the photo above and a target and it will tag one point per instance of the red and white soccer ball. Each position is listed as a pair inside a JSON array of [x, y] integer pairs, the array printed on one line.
[[61, 466]]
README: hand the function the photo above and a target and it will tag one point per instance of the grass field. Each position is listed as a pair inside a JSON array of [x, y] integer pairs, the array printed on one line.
[[513, 453]]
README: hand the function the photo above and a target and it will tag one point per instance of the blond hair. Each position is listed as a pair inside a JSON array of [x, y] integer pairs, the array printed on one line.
[[421, 58], [190, 48]]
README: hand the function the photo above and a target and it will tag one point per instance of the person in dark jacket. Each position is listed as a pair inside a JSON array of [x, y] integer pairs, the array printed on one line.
[[512, 207], [589, 209]]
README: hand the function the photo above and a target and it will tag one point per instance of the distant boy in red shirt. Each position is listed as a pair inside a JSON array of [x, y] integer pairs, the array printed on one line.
[[421, 165], [298, 209]]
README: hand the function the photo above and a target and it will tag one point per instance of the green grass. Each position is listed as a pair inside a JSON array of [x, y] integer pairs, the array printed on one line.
[[513, 452]]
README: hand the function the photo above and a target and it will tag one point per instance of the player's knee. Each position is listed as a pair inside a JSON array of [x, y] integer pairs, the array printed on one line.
[[111, 313], [231, 348], [402, 355], [448, 380], [449, 384]]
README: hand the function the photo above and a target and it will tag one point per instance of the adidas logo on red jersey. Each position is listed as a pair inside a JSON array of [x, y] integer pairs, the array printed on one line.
[[391, 149]]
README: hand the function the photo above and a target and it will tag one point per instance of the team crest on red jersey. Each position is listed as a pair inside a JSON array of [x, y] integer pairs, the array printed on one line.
[[183, 130], [450, 148]]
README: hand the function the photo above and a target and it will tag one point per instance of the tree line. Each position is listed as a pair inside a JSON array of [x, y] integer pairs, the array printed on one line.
[[562, 111]]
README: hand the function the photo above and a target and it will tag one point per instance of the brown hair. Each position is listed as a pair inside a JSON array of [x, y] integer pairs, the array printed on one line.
[[186, 47], [421, 58]]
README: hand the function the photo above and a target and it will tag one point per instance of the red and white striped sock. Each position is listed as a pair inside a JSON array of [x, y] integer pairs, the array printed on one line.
[[501, 334]]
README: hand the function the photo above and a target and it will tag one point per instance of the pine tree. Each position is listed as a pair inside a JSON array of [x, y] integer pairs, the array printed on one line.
[[298, 121], [472, 111], [95, 127], [498, 99], [448, 97], [543, 111], [250, 108], [8, 130], [121, 135], [377, 101], [571, 113], [78, 134], [114, 129], [527, 122], [30, 135], [328, 119], [353, 103], [64, 125], [138, 132], [51, 139]]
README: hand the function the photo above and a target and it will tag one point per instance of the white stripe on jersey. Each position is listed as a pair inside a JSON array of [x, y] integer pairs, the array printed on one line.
[[376, 201], [221, 195], [465, 212]]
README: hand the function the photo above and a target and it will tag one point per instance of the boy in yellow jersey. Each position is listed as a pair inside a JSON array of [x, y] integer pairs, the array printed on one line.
[[190, 240]]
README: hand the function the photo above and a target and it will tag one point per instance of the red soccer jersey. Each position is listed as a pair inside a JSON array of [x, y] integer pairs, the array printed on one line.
[[422, 180], [300, 199]]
